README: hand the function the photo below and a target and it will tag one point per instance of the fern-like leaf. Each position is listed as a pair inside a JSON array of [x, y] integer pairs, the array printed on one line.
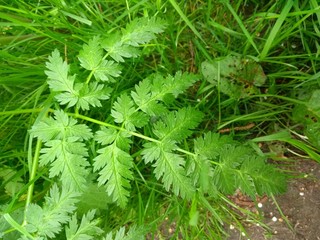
[[139, 31], [142, 30], [151, 91], [90, 95], [64, 148], [169, 166], [87, 229], [48, 220], [58, 74], [114, 165], [124, 111], [91, 58], [134, 233], [178, 125]]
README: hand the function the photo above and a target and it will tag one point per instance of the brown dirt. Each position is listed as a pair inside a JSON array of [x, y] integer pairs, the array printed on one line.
[[300, 207]]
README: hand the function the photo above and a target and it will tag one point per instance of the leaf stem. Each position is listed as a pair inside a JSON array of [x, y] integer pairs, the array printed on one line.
[[17, 226], [123, 129], [89, 77], [113, 126]]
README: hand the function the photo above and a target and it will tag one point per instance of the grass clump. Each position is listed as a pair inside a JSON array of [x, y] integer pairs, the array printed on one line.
[[132, 120]]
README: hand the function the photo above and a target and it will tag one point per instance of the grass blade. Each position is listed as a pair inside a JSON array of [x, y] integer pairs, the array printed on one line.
[[275, 30]]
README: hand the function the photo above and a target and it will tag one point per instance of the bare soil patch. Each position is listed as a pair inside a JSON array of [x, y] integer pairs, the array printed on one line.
[[300, 207]]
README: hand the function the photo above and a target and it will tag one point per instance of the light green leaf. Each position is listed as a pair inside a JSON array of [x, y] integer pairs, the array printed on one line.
[[86, 231], [114, 167], [58, 73], [170, 167], [107, 71], [142, 30], [177, 125], [59, 127], [47, 221], [117, 50], [92, 94], [91, 54], [124, 111]]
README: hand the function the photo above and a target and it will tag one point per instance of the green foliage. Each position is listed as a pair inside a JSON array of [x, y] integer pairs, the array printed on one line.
[[47, 220], [234, 76], [64, 148], [134, 233], [86, 230], [144, 134]]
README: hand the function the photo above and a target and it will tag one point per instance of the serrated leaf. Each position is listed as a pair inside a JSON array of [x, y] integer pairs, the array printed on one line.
[[266, 178], [59, 127], [68, 159], [134, 233], [313, 133], [117, 50], [230, 159], [142, 30], [155, 89], [47, 221], [124, 111], [86, 230], [106, 136], [170, 167], [107, 71], [64, 149], [57, 73], [151, 152], [92, 94], [210, 145], [114, 166], [200, 171], [90, 56], [177, 125]]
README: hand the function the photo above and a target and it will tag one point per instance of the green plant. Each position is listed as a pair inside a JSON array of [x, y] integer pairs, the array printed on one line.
[[140, 134]]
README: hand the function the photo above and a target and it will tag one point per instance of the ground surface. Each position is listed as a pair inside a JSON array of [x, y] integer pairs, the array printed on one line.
[[300, 206]]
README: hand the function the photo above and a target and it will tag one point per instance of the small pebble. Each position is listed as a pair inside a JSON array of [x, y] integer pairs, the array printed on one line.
[[301, 193]]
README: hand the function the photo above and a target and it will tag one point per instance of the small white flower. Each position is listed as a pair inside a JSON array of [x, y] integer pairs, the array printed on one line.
[[243, 234], [260, 205], [274, 219], [231, 227]]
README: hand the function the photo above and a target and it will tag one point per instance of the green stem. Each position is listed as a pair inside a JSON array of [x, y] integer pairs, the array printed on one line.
[[17, 226], [21, 111], [123, 129], [113, 126], [89, 77], [33, 175]]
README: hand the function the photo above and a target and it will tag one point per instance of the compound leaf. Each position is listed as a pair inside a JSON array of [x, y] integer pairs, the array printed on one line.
[[57, 73], [90, 95], [47, 221], [124, 111], [114, 166], [142, 30], [178, 125], [90, 56], [170, 167], [64, 148], [87, 229]]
